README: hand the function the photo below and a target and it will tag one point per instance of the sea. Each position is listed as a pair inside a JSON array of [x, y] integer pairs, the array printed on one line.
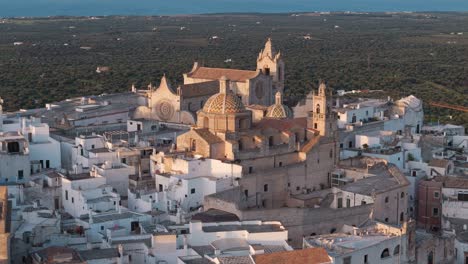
[[44, 8]]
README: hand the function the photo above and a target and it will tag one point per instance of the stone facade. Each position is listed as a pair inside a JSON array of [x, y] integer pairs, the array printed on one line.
[[181, 105]]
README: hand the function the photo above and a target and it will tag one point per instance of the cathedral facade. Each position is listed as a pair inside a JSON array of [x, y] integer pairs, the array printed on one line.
[[180, 105]]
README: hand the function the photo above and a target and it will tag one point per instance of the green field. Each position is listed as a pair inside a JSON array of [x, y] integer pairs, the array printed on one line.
[[421, 54]]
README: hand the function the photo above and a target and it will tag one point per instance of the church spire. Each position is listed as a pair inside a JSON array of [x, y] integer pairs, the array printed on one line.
[[269, 50], [322, 89], [165, 83]]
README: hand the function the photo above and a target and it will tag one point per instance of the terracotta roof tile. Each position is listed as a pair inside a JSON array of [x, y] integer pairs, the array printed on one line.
[[199, 89], [309, 256], [217, 73], [283, 124], [209, 137]]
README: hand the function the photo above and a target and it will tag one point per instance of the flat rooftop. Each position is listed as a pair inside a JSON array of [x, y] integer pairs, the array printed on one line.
[[248, 228], [111, 217], [338, 244], [78, 177], [372, 184]]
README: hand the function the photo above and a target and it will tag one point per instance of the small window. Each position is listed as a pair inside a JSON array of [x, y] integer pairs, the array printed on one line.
[[192, 190], [347, 260], [363, 202], [20, 174], [348, 203], [435, 211], [265, 188], [250, 169], [386, 199], [436, 195], [280, 164], [402, 194], [246, 193], [366, 259], [298, 188], [66, 195], [73, 200], [102, 227], [340, 203], [462, 196], [47, 164], [92, 146], [333, 230], [386, 220], [396, 251]]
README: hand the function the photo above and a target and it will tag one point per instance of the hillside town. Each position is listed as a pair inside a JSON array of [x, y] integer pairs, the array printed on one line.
[[218, 169]]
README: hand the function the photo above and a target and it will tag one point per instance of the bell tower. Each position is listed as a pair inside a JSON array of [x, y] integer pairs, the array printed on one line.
[[321, 117], [271, 63]]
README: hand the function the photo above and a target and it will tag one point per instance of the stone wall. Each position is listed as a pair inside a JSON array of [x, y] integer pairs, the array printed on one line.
[[298, 221]]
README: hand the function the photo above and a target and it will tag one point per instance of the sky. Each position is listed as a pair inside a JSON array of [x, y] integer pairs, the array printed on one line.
[[10, 8]]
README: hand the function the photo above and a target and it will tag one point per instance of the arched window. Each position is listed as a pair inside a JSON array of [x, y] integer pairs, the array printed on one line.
[[385, 253], [430, 258], [315, 126], [266, 70], [353, 119], [270, 141], [396, 251], [317, 109]]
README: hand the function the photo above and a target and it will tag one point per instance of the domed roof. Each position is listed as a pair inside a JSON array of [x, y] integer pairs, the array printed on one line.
[[224, 102], [278, 110]]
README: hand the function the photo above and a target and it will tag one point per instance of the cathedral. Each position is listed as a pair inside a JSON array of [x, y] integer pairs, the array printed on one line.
[[280, 155], [256, 89]]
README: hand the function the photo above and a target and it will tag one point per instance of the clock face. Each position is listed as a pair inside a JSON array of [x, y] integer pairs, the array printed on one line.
[[259, 91], [165, 110]]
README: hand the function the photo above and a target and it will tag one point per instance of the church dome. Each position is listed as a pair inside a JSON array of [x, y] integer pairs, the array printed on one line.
[[224, 102], [279, 110]]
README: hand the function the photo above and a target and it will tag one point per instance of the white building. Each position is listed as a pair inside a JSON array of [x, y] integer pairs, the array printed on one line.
[[372, 243], [182, 183], [82, 193], [218, 241], [14, 158], [116, 175]]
